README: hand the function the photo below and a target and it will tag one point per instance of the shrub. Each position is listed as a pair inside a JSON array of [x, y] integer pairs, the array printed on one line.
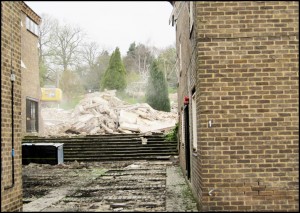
[[172, 136]]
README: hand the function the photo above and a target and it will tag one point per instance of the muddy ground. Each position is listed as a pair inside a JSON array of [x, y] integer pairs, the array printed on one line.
[[137, 186]]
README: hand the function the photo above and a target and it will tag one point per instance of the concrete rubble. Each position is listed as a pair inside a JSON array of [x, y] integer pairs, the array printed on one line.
[[104, 113]]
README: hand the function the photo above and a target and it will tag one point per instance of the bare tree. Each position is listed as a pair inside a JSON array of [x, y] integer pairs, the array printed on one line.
[[138, 59], [93, 67], [65, 45], [167, 62], [145, 58], [90, 52], [45, 30]]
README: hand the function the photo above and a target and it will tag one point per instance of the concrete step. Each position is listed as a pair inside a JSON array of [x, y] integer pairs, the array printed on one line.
[[95, 137], [118, 149], [102, 142], [114, 153], [88, 140], [112, 147], [120, 158], [118, 144]]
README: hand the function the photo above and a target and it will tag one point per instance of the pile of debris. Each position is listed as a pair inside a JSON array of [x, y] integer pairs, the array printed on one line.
[[104, 113]]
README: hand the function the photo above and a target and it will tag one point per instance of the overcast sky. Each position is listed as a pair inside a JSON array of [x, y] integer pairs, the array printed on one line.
[[115, 23]]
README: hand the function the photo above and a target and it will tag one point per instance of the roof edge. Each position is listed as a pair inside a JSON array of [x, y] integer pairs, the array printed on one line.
[[30, 12]]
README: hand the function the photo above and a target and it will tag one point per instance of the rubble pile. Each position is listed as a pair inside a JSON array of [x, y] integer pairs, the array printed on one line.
[[104, 113], [56, 121]]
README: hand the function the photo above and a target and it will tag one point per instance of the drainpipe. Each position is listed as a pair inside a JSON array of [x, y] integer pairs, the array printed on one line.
[[12, 79]]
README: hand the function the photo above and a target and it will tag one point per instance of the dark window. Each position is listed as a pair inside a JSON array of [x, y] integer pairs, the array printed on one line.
[[32, 116]]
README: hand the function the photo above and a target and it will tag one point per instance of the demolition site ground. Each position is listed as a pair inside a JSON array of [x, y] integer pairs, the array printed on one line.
[[139, 186]]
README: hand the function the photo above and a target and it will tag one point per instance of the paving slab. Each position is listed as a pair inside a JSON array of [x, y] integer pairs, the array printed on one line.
[[178, 195], [94, 186], [42, 203]]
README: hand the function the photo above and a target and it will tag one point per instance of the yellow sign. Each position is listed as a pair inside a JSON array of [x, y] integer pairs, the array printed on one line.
[[51, 94]]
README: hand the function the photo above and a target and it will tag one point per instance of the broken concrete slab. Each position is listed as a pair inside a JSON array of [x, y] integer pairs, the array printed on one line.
[[130, 127], [127, 117], [104, 113], [156, 186]]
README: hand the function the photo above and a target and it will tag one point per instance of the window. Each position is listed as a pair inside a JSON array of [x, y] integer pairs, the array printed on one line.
[[194, 117], [32, 26], [31, 116]]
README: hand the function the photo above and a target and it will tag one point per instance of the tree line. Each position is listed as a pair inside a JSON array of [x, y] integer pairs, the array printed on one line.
[[69, 61]]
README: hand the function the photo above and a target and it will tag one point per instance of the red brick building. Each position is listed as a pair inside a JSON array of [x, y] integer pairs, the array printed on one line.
[[238, 103]]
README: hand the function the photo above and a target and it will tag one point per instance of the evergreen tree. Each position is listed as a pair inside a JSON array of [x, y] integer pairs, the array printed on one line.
[[157, 90], [115, 75], [131, 50]]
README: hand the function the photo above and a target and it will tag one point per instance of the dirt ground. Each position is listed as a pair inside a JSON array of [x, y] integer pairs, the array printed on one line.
[[138, 186]]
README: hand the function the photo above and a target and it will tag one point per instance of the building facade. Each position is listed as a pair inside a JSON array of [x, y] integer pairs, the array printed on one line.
[[238, 103], [11, 150], [20, 94], [31, 90]]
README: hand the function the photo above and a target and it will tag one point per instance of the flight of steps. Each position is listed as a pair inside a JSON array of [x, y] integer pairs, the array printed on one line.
[[112, 147]]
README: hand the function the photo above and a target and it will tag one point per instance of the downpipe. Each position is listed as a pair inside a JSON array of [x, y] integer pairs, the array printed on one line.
[[12, 79]]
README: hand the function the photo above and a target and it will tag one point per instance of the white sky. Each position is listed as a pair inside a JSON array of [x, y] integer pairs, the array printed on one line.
[[115, 23]]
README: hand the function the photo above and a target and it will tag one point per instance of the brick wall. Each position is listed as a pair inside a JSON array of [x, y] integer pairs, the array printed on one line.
[[30, 75], [184, 46], [186, 38], [247, 84], [11, 196]]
